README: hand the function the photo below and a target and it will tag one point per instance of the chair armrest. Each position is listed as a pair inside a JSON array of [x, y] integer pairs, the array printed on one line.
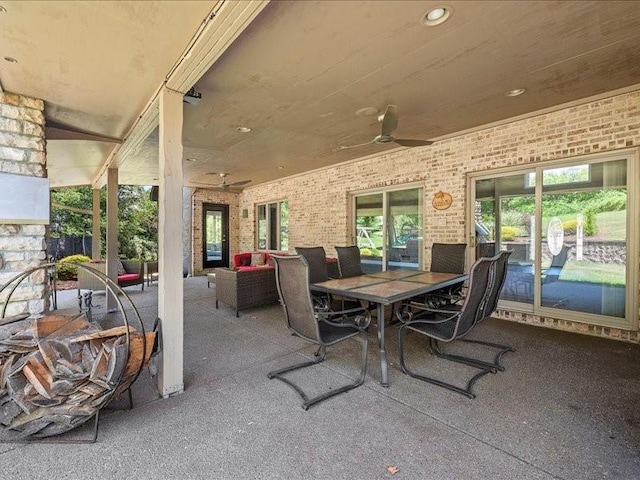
[[350, 318]]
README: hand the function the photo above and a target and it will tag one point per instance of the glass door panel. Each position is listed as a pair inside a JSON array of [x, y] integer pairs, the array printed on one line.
[[583, 247], [215, 231], [505, 220], [369, 231], [404, 232]]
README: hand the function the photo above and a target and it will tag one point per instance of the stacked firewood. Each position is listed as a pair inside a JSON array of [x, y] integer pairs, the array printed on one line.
[[57, 371]]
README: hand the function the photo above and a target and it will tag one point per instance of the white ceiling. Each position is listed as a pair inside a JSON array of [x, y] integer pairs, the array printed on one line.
[[297, 73]]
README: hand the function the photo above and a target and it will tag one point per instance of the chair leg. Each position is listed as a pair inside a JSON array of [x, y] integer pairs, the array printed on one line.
[[466, 391], [497, 361], [319, 357], [472, 362]]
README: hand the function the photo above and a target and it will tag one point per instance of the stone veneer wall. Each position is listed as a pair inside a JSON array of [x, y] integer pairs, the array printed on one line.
[[221, 197], [22, 152], [319, 201]]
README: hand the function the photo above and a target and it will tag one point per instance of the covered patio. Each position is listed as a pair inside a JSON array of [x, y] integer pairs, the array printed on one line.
[[566, 407]]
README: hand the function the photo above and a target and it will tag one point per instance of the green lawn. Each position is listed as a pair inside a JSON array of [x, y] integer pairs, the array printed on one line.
[[593, 273]]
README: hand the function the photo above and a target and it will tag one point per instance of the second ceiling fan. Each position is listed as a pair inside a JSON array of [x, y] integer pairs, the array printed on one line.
[[224, 185], [389, 123]]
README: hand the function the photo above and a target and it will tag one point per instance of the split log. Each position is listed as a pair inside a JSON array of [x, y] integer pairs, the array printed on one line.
[[58, 371]]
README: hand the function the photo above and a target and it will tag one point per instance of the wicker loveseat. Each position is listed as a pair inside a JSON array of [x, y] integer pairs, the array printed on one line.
[[245, 286]]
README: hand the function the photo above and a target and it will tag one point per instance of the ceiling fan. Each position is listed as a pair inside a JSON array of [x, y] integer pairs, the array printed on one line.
[[389, 121], [224, 185]]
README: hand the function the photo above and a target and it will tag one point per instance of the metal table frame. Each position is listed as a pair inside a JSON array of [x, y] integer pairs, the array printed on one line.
[[387, 288]]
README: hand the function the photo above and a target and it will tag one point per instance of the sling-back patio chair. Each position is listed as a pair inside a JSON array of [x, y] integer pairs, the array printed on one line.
[[446, 258], [316, 257], [349, 261], [495, 286], [349, 265], [448, 326], [501, 262], [318, 328]]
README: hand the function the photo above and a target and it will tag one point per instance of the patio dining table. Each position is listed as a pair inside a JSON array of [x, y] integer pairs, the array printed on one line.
[[387, 288]]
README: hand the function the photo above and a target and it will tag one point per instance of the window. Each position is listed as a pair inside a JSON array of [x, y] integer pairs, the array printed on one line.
[[572, 236], [272, 226]]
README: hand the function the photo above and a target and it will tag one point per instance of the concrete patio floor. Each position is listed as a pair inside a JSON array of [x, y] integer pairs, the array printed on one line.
[[566, 407]]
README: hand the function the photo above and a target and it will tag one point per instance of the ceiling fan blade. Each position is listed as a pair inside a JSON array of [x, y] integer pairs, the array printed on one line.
[[406, 142], [389, 121], [238, 184], [345, 147]]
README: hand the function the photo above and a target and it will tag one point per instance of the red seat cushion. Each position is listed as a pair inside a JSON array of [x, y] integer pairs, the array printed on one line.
[[127, 277], [250, 269]]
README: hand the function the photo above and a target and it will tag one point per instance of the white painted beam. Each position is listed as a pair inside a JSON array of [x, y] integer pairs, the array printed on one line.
[[170, 281], [226, 21]]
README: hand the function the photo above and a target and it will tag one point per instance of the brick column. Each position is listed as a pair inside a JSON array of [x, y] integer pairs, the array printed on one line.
[[22, 152]]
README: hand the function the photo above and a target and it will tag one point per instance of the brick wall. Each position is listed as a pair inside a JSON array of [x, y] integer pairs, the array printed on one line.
[[319, 201], [22, 152], [221, 197]]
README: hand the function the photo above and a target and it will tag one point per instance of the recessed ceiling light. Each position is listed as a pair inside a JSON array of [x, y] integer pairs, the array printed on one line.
[[515, 92], [191, 159], [437, 16], [11, 60], [368, 112], [243, 129], [280, 167]]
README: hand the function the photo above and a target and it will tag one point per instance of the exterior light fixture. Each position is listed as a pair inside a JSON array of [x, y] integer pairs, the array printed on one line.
[[192, 97], [243, 129], [437, 16]]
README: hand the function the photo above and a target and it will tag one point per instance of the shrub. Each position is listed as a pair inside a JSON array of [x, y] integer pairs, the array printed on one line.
[[570, 227], [590, 227], [369, 252], [66, 268], [509, 233]]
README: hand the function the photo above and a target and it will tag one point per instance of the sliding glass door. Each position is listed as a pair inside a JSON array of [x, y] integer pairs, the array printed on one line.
[[570, 227], [388, 229]]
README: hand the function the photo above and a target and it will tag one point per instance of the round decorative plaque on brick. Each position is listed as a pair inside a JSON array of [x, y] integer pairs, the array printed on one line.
[[441, 201]]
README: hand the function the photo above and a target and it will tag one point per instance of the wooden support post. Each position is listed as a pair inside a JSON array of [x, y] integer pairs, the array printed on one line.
[[170, 281]]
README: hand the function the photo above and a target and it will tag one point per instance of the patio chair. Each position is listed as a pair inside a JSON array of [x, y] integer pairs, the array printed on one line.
[[349, 262], [446, 258], [501, 262], [319, 272], [349, 265], [552, 273], [497, 280], [318, 328], [447, 326]]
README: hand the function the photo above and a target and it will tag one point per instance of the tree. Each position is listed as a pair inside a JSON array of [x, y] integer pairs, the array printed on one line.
[[137, 214]]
